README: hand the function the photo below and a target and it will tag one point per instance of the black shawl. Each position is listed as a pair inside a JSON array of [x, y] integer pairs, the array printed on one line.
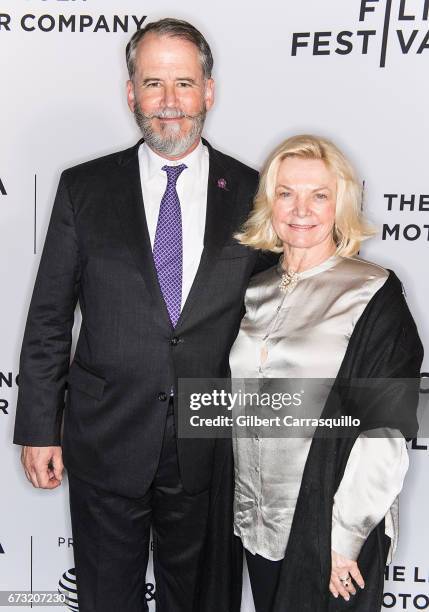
[[384, 345]]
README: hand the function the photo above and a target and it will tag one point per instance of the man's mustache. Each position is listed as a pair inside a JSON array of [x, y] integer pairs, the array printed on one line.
[[172, 113]]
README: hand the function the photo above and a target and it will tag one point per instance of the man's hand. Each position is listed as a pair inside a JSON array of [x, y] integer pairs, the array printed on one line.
[[342, 572], [43, 465]]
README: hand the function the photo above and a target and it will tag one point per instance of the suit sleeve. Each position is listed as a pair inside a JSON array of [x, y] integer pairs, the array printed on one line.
[[265, 260], [45, 353]]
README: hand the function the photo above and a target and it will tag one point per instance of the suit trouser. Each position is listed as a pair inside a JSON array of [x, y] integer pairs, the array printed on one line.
[[111, 536]]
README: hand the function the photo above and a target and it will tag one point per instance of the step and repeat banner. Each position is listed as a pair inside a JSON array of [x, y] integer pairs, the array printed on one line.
[[354, 71]]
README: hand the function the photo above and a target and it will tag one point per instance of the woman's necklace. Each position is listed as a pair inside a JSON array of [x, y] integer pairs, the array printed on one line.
[[289, 279]]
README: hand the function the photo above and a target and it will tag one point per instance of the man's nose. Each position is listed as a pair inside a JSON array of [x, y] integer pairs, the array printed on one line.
[[170, 99]]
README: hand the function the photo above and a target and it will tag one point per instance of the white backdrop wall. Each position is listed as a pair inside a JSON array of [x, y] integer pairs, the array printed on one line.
[[353, 71]]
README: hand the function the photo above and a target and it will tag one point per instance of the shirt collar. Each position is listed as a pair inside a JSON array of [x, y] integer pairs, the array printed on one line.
[[152, 163]]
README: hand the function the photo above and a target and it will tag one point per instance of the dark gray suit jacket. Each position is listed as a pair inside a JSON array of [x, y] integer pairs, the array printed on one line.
[[128, 356]]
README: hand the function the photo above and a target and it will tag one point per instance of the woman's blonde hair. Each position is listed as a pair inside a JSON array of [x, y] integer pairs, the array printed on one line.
[[350, 228]]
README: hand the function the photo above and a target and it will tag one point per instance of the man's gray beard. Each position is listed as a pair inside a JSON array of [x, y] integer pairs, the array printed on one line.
[[168, 142]]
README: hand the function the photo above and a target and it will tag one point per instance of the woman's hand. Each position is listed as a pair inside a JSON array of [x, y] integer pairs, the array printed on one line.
[[342, 572]]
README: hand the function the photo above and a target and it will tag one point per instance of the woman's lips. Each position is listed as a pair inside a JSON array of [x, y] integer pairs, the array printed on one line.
[[301, 228]]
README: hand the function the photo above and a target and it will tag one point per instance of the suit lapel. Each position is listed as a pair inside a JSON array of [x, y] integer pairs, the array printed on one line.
[[128, 201], [218, 227]]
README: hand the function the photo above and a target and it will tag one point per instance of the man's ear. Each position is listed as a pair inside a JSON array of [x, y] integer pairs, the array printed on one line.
[[209, 94], [131, 100]]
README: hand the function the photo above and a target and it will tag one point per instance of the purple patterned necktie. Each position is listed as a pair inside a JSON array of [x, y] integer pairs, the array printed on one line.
[[168, 248]]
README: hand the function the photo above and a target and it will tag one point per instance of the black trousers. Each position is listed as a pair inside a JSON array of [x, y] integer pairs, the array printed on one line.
[[111, 536], [264, 576]]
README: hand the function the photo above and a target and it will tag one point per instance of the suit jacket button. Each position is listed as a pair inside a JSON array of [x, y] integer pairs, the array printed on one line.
[[162, 396], [174, 341]]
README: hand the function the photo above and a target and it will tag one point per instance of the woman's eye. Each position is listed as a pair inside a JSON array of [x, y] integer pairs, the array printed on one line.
[[284, 194], [321, 196]]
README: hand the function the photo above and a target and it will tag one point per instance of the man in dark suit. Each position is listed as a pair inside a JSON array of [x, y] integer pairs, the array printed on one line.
[[143, 239]]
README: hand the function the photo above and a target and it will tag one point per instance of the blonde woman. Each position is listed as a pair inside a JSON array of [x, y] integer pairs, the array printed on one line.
[[317, 517]]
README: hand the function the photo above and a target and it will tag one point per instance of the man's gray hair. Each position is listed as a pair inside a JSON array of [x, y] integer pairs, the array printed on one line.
[[174, 28]]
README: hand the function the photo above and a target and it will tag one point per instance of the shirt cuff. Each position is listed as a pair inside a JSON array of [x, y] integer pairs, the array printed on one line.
[[345, 542]]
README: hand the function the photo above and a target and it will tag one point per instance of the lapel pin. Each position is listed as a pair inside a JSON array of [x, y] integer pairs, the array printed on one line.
[[221, 183]]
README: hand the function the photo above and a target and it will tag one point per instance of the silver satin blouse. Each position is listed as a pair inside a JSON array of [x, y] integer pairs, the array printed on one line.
[[305, 335]]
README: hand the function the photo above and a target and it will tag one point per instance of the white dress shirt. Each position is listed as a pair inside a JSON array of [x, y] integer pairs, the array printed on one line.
[[192, 191]]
